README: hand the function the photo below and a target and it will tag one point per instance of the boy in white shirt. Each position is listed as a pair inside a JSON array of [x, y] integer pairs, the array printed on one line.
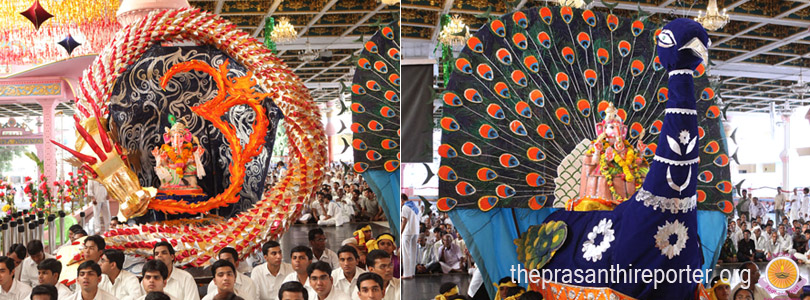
[[321, 280], [224, 273], [317, 242], [11, 289], [346, 276], [49, 271], [120, 283], [293, 290], [45, 292], [180, 284], [28, 269], [243, 285], [88, 277], [369, 287], [269, 276], [155, 274]]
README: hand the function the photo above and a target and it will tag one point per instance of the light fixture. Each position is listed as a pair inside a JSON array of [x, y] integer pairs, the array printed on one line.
[[800, 88], [455, 32], [308, 55], [390, 2], [283, 32], [571, 3], [713, 20]]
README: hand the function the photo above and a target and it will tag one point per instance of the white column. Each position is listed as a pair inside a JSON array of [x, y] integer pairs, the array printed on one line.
[[786, 153]]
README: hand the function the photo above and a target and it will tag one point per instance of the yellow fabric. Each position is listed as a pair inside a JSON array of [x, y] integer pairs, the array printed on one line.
[[591, 205], [372, 245], [719, 283], [385, 237], [451, 292], [498, 286], [361, 238]]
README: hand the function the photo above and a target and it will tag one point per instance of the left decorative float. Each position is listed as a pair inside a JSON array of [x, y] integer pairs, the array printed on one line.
[[177, 116]]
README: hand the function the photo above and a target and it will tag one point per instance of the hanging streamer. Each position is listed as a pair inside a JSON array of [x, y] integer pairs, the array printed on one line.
[[447, 53], [269, 23]]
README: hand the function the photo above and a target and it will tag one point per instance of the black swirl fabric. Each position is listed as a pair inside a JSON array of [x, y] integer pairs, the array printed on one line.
[[139, 113]]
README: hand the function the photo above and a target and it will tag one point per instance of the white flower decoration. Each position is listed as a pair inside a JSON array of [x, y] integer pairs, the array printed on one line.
[[593, 252], [684, 137], [662, 238]]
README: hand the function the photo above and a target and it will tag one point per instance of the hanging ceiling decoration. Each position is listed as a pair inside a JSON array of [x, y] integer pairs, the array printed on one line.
[[454, 33], [91, 22], [800, 88], [308, 55], [284, 32], [713, 20], [69, 43], [36, 14]]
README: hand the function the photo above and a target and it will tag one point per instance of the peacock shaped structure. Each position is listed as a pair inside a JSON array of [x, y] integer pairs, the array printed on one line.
[[529, 100]]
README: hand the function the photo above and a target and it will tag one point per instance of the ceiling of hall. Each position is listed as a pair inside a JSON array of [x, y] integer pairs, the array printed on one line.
[[757, 55]]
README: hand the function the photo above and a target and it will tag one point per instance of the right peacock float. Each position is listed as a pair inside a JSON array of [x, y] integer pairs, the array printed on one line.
[[577, 140]]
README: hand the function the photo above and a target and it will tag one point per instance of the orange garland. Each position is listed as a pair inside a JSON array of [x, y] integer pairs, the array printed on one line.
[[185, 153]]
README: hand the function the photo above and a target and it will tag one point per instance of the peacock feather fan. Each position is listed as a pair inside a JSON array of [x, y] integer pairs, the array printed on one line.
[[375, 102], [526, 93]]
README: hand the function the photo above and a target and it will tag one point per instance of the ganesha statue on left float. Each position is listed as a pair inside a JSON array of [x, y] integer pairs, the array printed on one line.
[[178, 162]]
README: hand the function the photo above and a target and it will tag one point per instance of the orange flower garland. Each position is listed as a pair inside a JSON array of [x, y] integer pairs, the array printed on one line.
[[185, 154]]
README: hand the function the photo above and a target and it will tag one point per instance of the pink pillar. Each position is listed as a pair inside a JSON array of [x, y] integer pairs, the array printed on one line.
[[49, 154]]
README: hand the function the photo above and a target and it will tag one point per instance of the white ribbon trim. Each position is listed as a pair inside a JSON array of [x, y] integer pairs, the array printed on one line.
[[677, 162], [682, 111], [681, 72], [673, 205]]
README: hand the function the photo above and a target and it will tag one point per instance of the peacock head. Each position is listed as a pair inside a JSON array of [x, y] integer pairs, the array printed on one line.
[[683, 44]]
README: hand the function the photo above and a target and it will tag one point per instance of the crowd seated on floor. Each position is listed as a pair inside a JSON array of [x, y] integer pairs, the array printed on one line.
[[365, 266], [754, 235], [344, 197]]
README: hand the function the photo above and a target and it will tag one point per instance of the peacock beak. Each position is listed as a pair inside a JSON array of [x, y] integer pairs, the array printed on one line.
[[698, 49]]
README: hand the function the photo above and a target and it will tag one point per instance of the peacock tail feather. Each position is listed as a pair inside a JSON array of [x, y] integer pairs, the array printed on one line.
[[528, 90], [375, 102]]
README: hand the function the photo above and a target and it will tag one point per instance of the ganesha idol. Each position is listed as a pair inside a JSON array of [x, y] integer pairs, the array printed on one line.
[[612, 169], [177, 162]]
